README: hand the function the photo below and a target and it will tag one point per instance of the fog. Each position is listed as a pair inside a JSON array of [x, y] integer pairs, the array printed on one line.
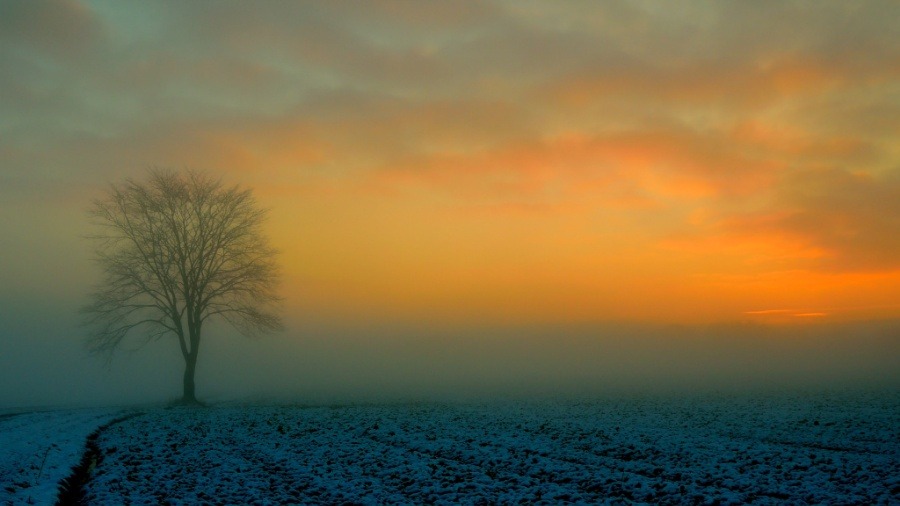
[[509, 161], [43, 364]]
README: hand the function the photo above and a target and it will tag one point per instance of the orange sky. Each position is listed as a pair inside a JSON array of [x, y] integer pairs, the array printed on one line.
[[483, 162]]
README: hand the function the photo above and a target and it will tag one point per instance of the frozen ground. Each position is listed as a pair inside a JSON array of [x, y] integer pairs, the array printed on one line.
[[38, 449], [776, 449], [748, 449]]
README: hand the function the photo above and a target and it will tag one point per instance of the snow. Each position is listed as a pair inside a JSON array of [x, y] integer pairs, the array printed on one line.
[[729, 450], [40, 448], [663, 450]]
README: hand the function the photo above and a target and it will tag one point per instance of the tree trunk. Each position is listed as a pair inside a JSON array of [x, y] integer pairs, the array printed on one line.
[[190, 367]]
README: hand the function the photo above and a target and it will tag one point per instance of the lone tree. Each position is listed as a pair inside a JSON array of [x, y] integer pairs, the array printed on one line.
[[176, 251]]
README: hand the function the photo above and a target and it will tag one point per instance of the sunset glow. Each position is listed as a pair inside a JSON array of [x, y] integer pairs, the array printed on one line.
[[488, 162]]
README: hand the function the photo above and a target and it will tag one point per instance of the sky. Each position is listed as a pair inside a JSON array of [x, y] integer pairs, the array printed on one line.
[[442, 177]]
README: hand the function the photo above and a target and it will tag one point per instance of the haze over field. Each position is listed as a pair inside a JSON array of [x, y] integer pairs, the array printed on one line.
[[473, 198]]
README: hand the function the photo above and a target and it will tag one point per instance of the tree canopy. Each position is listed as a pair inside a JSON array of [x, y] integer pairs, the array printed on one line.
[[176, 251]]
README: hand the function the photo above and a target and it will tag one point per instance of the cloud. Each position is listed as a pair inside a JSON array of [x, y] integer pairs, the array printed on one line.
[[645, 168], [720, 140], [854, 217], [822, 219], [56, 30]]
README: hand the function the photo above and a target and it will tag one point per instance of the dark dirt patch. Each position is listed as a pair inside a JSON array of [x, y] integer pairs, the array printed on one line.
[[72, 487]]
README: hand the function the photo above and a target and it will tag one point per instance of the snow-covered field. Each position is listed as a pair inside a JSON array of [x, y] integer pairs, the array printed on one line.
[[699, 450], [38, 449], [729, 450]]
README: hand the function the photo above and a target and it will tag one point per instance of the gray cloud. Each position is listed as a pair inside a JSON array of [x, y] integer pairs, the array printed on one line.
[[57, 31]]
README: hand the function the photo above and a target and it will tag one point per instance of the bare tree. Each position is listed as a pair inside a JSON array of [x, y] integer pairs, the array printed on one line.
[[176, 251]]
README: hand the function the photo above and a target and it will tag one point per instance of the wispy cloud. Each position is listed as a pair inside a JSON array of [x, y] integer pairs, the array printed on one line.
[[771, 311]]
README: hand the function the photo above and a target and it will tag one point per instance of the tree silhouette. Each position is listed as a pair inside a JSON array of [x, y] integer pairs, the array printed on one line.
[[176, 251]]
